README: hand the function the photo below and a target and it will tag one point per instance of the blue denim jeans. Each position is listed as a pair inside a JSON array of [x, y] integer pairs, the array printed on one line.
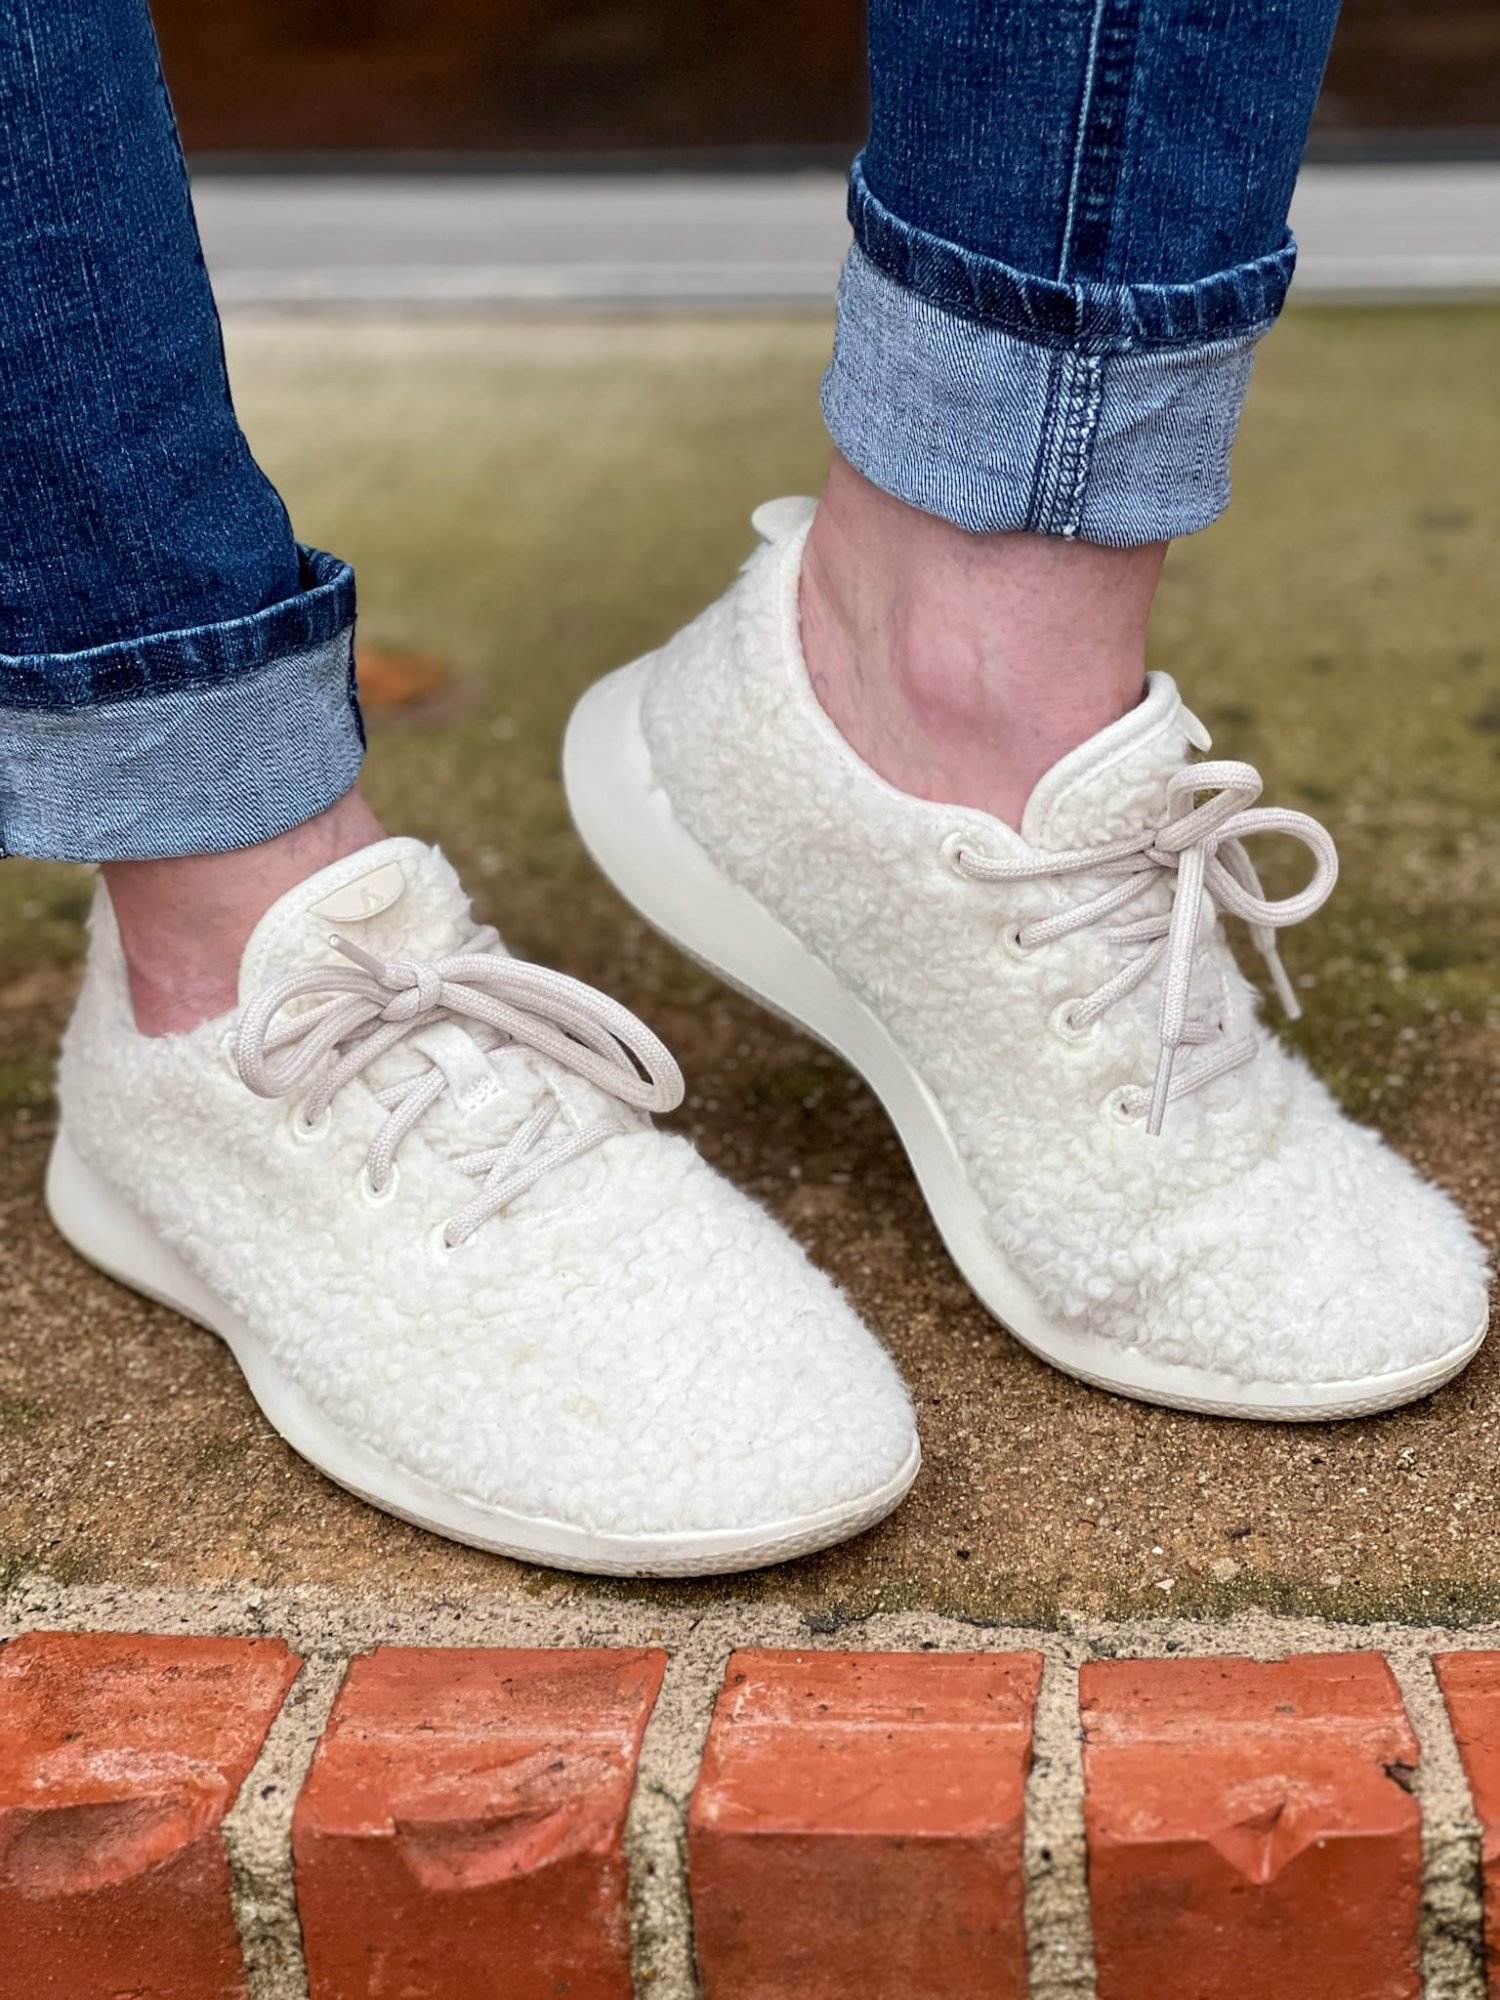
[[1070, 231], [176, 674]]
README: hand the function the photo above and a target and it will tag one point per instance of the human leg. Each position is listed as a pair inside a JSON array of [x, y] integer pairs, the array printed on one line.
[[176, 687], [905, 783], [1070, 231], [413, 1183]]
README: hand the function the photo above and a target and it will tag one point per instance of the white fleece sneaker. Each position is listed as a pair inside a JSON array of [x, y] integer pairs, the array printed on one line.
[[1143, 1184], [412, 1182]]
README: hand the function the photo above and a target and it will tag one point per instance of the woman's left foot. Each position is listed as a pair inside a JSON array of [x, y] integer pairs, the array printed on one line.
[[1137, 1178]]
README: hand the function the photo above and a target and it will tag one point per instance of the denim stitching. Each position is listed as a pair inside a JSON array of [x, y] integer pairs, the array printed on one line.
[[1085, 393], [1070, 424], [1100, 148], [1080, 136]]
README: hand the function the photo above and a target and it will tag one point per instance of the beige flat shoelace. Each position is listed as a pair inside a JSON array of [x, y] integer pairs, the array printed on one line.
[[1203, 846], [371, 1004]]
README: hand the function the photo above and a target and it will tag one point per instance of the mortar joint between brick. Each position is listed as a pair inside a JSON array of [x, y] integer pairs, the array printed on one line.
[[1454, 1959], [1059, 1934], [662, 1957], [258, 1834]]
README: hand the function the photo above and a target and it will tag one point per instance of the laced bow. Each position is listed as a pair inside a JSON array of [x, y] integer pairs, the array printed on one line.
[[369, 1005], [1203, 846]]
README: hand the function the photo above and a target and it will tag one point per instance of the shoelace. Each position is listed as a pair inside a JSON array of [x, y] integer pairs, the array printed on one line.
[[371, 1004], [1203, 845]]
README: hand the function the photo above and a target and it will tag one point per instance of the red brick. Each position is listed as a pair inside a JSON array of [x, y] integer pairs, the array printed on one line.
[[857, 1827], [119, 1757], [1471, 1687], [1250, 1836], [460, 1835]]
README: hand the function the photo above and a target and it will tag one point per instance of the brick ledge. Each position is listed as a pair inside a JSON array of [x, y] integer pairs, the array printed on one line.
[[1387, 1750]]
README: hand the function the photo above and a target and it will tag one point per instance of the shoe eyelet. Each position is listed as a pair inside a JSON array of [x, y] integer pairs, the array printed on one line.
[[951, 852], [1123, 1106], [1010, 941], [307, 1131], [377, 1197], [439, 1241], [227, 1044], [1067, 1028]]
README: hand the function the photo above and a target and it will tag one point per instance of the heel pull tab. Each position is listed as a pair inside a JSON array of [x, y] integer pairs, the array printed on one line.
[[779, 520]]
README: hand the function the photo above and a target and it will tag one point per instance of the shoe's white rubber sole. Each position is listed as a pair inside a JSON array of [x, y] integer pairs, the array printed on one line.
[[626, 821], [102, 1227]]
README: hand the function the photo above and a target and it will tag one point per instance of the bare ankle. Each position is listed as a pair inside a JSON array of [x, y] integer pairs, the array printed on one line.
[[962, 667], [184, 922]]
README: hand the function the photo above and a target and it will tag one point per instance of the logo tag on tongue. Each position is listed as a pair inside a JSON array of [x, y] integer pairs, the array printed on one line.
[[366, 896]]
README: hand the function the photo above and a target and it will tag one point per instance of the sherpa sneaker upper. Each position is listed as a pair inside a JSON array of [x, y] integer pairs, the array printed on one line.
[[1130, 1169], [415, 1183]]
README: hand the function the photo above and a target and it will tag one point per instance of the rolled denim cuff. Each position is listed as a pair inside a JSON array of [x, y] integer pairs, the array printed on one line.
[[190, 742], [1003, 401]]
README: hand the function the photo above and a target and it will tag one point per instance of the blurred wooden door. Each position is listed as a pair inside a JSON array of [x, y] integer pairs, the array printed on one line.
[[676, 76], [561, 76]]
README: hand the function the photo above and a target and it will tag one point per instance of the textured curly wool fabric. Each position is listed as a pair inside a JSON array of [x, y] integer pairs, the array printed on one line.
[[634, 1347], [1262, 1236]]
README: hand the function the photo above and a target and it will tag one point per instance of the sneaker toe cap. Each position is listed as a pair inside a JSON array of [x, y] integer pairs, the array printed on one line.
[[1352, 1271], [666, 1362]]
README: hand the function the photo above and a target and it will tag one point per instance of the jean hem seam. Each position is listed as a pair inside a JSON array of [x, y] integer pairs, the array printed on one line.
[[192, 658], [189, 771], [1090, 316]]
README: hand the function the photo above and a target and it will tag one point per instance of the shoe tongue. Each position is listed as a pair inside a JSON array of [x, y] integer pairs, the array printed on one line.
[[402, 899], [398, 898], [1116, 782]]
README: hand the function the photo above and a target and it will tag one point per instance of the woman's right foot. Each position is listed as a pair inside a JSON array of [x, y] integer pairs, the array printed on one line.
[[415, 1185], [1138, 1179]]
